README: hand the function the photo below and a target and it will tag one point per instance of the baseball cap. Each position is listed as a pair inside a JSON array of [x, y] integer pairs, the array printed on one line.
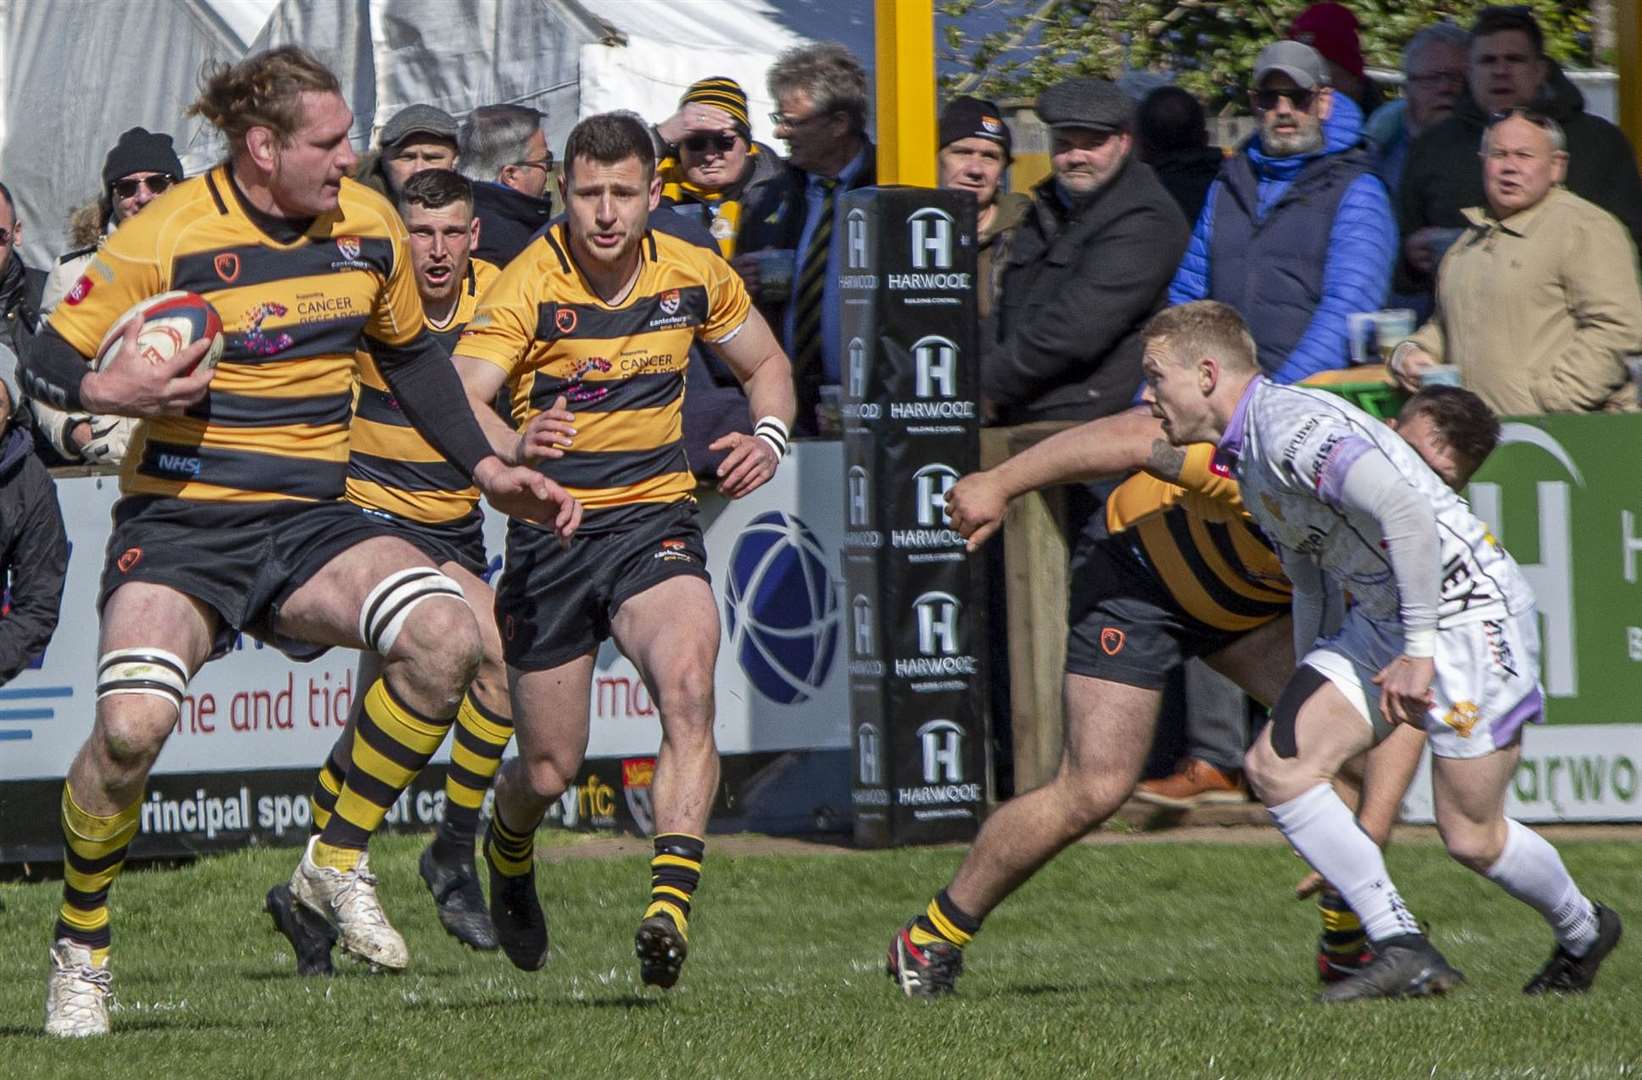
[[1299, 62]]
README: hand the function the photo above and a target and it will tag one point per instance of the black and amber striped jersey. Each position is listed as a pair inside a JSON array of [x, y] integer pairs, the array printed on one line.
[[275, 422], [391, 467], [1207, 553], [620, 367]]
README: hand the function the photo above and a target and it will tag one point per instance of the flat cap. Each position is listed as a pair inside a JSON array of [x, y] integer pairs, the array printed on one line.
[[1299, 62], [418, 119], [1086, 103]]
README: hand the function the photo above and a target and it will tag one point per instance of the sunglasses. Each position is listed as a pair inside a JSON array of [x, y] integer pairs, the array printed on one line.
[[155, 184], [1515, 112], [1266, 100], [722, 141]]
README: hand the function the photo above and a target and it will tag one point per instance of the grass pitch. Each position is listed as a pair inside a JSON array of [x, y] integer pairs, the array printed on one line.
[[1127, 960]]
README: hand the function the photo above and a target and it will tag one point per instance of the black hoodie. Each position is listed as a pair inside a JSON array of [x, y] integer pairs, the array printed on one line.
[[33, 551], [1444, 173]]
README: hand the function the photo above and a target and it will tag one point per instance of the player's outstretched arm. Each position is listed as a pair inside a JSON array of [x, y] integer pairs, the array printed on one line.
[[1109, 446], [425, 382], [765, 373]]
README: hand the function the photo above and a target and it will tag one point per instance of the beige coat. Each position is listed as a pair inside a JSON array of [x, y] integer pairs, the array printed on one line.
[[1539, 311]]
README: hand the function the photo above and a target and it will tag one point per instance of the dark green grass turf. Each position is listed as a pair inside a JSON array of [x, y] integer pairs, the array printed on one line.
[[1165, 960]]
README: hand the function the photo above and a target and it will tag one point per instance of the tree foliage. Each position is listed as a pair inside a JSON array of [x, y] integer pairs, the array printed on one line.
[[1208, 46]]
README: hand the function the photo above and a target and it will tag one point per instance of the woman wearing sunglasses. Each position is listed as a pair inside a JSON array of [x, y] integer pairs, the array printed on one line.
[[140, 167]]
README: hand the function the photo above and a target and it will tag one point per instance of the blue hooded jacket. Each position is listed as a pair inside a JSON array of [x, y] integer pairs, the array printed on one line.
[[1293, 286]]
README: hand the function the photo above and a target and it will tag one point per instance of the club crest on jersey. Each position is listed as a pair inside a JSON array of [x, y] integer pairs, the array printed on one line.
[[81, 290], [1112, 640], [564, 321], [669, 302], [227, 267], [1463, 717], [349, 246]]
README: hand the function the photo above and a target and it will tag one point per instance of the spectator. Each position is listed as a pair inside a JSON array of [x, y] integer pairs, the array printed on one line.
[[21, 286], [975, 149], [1433, 83], [821, 113], [1089, 266], [711, 169], [1508, 69], [1331, 29], [1297, 233], [1172, 136], [1538, 302], [33, 546], [503, 150], [418, 137], [141, 165]]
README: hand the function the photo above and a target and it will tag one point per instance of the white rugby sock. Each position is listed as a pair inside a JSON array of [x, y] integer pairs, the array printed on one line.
[[1326, 835], [1530, 869]]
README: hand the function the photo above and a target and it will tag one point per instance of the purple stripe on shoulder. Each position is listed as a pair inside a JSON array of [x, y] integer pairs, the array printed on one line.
[[1332, 476], [1530, 710]]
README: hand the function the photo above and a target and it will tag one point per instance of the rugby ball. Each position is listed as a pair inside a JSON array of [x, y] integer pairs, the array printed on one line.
[[171, 322]]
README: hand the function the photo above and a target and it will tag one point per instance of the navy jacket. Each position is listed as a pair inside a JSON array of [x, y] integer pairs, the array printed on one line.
[[1315, 240]]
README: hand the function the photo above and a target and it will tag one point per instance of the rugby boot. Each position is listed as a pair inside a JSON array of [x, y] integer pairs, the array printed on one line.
[[1404, 966], [1333, 967], [311, 937], [661, 950], [517, 917], [1569, 974], [78, 993], [923, 971], [459, 901], [347, 900]]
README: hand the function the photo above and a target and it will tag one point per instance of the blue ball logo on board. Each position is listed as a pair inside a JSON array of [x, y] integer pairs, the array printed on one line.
[[782, 608]]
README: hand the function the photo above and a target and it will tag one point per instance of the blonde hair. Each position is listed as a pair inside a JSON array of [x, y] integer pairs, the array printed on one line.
[[1204, 328], [264, 90]]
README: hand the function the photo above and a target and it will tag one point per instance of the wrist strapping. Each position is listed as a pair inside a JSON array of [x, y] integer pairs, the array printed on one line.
[[774, 432]]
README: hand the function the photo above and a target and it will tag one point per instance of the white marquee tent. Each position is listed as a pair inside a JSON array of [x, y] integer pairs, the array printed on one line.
[[75, 73]]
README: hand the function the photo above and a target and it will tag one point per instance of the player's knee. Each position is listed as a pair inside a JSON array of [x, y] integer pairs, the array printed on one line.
[[1270, 774], [441, 643], [548, 776], [1473, 844], [130, 731], [1094, 794]]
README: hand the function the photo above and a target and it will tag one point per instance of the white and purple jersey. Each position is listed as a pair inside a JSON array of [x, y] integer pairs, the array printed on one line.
[[1293, 451]]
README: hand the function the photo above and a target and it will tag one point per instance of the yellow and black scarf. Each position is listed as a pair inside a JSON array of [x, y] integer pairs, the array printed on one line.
[[721, 210]]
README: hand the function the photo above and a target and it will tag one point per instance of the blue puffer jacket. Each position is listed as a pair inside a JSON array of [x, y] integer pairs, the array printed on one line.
[[1356, 271]]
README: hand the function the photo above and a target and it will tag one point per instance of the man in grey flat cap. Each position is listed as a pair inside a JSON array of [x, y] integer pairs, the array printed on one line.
[[1091, 263], [415, 138], [1297, 232]]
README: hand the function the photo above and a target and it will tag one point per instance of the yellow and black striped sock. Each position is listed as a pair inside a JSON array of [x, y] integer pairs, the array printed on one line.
[[944, 921], [675, 871], [328, 784], [475, 755], [511, 853], [93, 852], [391, 744], [1343, 934]]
